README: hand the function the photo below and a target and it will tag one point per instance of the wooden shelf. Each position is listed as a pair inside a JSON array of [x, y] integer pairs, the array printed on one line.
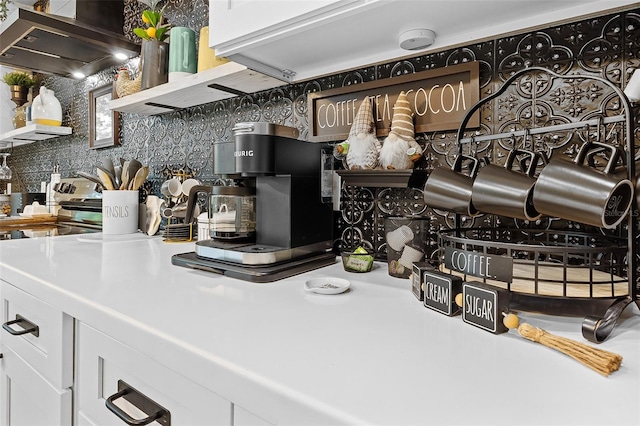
[[222, 82], [384, 178], [32, 133]]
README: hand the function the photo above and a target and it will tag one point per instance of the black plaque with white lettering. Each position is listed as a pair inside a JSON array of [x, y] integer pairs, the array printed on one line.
[[440, 292], [481, 265], [483, 306], [417, 286]]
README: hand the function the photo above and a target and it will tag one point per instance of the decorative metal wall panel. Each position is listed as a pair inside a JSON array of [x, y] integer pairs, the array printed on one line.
[[607, 46]]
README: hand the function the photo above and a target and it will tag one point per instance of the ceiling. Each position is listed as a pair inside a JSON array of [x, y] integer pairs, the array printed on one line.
[[369, 34]]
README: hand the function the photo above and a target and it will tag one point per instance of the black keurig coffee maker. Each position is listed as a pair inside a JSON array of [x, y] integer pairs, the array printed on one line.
[[293, 225]]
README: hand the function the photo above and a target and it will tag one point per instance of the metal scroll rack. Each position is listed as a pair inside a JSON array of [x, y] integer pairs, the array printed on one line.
[[595, 328]]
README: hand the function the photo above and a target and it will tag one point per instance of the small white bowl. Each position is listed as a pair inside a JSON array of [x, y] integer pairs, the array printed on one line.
[[327, 285]]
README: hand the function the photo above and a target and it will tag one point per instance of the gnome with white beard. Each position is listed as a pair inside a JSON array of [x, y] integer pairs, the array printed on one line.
[[362, 146], [400, 149]]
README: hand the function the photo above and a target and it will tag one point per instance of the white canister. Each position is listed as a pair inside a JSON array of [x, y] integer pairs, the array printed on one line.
[[204, 227], [119, 212], [46, 109]]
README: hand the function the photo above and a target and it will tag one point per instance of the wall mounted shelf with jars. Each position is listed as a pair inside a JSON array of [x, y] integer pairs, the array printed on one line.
[[32, 133], [222, 82]]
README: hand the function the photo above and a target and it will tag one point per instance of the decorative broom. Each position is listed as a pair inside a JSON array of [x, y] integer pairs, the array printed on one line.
[[599, 360]]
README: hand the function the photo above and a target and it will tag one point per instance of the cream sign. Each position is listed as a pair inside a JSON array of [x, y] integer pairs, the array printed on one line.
[[439, 100]]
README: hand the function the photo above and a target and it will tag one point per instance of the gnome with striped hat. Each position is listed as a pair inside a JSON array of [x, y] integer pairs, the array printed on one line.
[[362, 145], [399, 148]]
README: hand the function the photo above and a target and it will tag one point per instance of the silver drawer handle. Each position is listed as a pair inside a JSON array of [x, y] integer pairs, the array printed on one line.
[[25, 325], [153, 410]]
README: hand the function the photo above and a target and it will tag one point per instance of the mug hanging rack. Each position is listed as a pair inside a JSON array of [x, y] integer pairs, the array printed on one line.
[[594, 328], [594, 122]]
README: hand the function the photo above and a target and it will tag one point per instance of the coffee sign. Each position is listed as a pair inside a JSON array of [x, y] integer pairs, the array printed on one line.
[[439, 100], [481, 265], [483, 306]]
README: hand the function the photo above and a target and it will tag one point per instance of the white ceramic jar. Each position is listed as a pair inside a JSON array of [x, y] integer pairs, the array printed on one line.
[[46, 109]]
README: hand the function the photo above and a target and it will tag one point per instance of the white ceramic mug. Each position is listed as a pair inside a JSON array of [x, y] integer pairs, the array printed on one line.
[[171, 188], [188, 184], [120, 212]]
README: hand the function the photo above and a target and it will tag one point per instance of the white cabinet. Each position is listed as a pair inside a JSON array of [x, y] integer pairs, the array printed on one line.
[[105, 367], [36, 371], [231, 20], [27, 398], [300, 40]]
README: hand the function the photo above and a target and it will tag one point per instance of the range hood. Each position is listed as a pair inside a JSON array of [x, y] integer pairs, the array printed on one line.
[[52, 44]]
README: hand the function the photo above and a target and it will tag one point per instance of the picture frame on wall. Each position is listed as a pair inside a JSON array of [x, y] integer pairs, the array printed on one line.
[[103, 122]]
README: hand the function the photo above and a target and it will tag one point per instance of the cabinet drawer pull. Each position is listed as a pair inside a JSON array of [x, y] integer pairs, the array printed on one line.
[[26, 325], [142, 402]]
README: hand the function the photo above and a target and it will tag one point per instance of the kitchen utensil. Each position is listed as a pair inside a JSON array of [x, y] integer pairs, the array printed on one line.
[[134, 166], [125, 175], [118, 174], [107, 164], [581, 193], [139, 178], [107, 182]]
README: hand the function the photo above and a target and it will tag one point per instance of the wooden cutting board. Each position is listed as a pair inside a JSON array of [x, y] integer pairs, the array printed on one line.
[[14, 221]]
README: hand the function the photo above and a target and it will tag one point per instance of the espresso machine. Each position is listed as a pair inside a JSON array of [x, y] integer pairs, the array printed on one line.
[[293, 226]]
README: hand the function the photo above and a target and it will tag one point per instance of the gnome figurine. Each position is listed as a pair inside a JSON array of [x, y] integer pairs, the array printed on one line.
[[362, 146], [400, 149]]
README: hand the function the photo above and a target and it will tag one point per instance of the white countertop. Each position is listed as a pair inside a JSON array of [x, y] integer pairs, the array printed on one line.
[[372, 355]]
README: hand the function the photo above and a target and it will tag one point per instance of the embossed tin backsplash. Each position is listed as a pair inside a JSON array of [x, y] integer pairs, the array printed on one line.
[[607, 46]]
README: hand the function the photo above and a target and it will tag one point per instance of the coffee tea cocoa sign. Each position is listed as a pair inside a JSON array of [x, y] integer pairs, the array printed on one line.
[[439, 100]]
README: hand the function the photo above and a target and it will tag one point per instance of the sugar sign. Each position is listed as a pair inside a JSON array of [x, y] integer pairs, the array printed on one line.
[[483, 306]]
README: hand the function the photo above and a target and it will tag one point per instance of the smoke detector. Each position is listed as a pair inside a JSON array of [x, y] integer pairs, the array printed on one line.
[[417, 39]]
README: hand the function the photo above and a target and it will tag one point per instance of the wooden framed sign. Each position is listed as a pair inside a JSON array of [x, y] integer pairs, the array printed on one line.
[[439, 99]]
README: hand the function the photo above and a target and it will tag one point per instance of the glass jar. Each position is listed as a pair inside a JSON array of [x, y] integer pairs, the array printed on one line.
[[407, 239]]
